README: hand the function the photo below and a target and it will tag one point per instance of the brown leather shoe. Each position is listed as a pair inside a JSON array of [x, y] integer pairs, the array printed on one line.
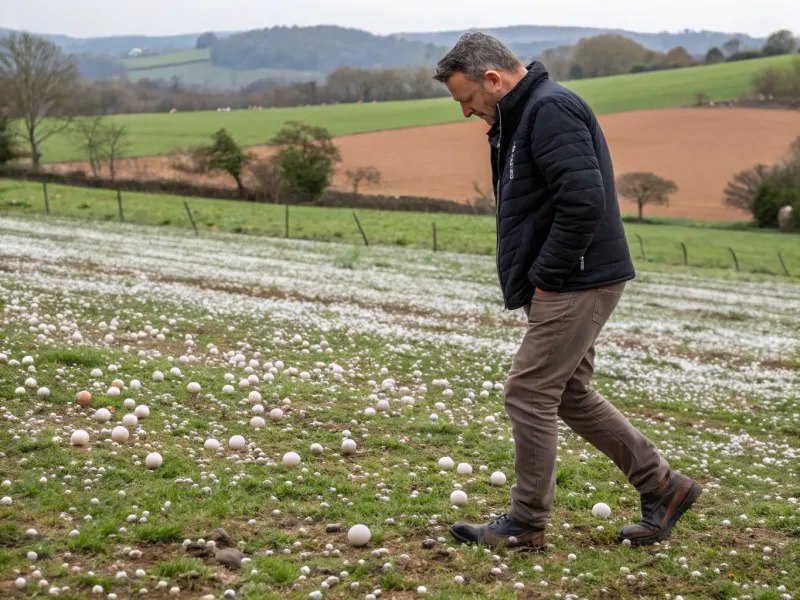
[[502, 530], [661, 509]]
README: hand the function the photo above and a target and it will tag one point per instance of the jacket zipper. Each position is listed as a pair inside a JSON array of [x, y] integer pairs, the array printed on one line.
[[581, 263], [497, 197]]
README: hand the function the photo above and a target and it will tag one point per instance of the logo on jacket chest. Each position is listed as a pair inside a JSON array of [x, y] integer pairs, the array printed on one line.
[[511, 163]]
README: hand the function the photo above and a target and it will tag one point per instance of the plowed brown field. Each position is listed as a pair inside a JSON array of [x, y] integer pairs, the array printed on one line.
[[699, 149]]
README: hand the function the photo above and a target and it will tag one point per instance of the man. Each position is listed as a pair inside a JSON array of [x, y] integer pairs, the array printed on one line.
[[563, 258]]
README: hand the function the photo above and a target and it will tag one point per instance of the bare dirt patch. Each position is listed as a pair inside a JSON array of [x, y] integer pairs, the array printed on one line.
[[699, 149]]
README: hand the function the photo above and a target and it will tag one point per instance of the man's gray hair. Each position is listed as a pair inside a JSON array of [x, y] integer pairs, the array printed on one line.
[[473, 55]]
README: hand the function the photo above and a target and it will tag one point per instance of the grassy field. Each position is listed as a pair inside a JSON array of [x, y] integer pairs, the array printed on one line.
[[205, 73], [160, 133], [167, 66], [706, 368], [172, 58], [706, 247]]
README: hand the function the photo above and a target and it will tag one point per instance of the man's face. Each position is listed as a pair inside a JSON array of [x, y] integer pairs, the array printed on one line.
[[479, 99]]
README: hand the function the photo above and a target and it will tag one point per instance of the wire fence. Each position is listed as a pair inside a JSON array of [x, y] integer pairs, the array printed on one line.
[[655, 249]]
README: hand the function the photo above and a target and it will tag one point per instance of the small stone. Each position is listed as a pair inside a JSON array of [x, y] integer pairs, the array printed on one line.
[[230, 557], [429, 543], [220, 535]]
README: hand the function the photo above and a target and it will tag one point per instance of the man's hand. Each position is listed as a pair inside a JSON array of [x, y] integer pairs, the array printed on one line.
[[538, 292]]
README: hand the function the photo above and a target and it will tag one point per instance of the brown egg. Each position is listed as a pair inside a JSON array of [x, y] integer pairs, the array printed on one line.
[[83, 398], [118, 383]]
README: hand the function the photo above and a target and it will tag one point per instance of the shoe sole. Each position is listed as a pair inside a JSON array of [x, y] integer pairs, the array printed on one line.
[[461, 539], [688, 501], [464, 540]]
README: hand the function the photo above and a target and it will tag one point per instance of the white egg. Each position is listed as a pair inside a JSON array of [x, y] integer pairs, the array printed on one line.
[[43, 392], [129, 403], [291, 459], [142, 411], [153, 460], [254, 397], [20, 583], [193, 388], [120, 434], [211, 444], [382, 405], [130, 420], [369, 412], [79, 438], [276, 414], [316, 448], [6, 501], [446, 462], [464, 469], [458, 498], [601, 510], [158, 376], [359, 535], [258, 409], [498, 478], [348, 445], [236, 442], [257, 423]]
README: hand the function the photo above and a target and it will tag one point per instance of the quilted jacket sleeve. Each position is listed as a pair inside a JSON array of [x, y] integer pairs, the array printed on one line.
[[563, 151]]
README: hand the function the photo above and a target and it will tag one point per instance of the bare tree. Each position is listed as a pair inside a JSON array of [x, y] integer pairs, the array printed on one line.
[[483, 201], [103, 141], [88, 132], [366, 174], [115, 143], [645, 188], [741, 190], [37, 79], [265, 178]]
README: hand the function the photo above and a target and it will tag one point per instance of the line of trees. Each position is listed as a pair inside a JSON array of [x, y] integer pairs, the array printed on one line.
[[614, 54], [300, 171]]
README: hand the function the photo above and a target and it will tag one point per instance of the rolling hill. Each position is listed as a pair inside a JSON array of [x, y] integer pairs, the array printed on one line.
[[530, 40], [194, 67], [161, 133]]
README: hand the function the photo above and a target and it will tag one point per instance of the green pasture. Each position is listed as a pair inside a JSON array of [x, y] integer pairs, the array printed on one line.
[[756, 251], [161, 133]]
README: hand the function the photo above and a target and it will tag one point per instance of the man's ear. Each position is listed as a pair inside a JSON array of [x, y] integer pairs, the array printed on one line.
[[492, 79]]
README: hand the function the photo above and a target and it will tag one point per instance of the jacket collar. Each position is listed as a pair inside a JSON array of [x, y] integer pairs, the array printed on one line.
[[513, 103]]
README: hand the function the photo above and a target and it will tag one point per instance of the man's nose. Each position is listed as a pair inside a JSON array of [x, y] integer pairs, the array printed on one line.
[[468, 112]]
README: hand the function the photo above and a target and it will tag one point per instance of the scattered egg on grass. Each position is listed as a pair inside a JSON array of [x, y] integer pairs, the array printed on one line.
[[120, 434], [291, 459], [153, 460], [458, 498], [359, 535], [211, 444], [236, 442], [79, 438], [498, 478], [601, 510]]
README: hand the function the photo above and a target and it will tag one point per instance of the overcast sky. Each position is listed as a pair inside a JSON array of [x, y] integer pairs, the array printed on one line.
[[83, 18]]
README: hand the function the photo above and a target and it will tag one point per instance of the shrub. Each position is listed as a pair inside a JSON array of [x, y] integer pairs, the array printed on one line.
[[745, 55], [769, 199], [306, 158]]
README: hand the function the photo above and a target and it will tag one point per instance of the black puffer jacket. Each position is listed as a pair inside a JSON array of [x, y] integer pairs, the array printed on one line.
[[558, 219]]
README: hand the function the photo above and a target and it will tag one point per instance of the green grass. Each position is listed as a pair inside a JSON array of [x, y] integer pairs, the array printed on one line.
[[706, 246], [663, 89], [204, 73], [171, 58], [153, 134], [720, 421]]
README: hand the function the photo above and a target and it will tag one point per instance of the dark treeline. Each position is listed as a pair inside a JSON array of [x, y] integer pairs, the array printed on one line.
[[322, 48], [342, 85]]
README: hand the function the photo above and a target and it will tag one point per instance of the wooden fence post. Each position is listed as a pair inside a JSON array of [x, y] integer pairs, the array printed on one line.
[[46, 200], [191, 218], [361, 229], [119, 203]]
